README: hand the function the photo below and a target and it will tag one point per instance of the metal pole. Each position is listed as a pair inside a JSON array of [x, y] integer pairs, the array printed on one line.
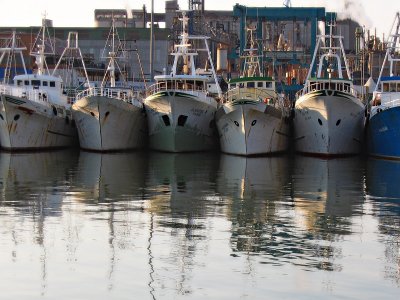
[[151, 40]]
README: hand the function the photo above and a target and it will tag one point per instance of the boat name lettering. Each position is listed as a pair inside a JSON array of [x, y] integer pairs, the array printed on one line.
[[197, 111]]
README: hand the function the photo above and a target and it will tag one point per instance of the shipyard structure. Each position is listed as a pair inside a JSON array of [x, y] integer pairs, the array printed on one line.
[[285, 36]]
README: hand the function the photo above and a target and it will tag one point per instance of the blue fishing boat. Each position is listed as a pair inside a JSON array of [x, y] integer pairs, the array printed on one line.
[[384, 119]]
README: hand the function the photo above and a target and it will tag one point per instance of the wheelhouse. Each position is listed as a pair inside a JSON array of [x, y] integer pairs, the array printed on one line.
[[252, 82]]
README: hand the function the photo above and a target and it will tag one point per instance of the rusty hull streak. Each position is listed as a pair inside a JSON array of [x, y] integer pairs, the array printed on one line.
[[26, 110]]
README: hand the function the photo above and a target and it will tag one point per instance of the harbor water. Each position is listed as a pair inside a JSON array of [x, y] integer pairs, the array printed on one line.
[[81, 225]]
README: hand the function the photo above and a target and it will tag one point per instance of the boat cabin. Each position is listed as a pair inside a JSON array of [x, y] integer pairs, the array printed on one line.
[[38, 82], [390, 84], [40, 87], [252, 82], [182, 82]]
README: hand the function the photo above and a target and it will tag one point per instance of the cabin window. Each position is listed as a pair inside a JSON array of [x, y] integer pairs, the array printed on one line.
[[260, 84], [250, 84], [392, 87], [346, 87], [52, 84], [35, 82], [45, 83], [268, 85], [386, 87], [189, 85], [170, 85], [19, 82], [199, 85], [233, 85], [26, 82], [398, 87]]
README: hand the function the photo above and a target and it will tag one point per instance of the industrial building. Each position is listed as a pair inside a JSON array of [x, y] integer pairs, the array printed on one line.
[[286, 37]]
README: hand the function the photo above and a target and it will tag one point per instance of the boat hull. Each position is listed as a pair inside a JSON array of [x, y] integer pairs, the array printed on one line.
[[26, 124], [108, 124], [251, 128], [329, 123], [180, 122], [384, 133]]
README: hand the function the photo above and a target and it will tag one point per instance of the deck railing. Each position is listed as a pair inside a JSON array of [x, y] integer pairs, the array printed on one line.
[[326, 85], [175, 86], [386, 99], [242, 93], [126, 95]]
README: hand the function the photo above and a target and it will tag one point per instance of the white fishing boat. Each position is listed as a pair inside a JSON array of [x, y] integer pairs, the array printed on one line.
[[329, 115], [179, 108], [110, 117], [34, 109], [253, 119]]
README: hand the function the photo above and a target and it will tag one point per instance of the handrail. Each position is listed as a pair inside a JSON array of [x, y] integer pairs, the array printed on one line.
[[175, 85], [385, 99], [327, 85], [261, 95], [126, 95]]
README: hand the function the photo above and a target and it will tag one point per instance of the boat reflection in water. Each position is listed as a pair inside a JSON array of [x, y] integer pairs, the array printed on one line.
[[181, 185], [35, 181], [383, 179], [110, 177], [329, 187], [291, 220], [32, 188], [383, 191], [180, 190], [254, 189]]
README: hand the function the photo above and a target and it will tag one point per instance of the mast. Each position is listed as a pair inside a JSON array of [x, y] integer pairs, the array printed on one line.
[[11, 49], [40, 54], [112, 56], [151, 40], [391, 50]]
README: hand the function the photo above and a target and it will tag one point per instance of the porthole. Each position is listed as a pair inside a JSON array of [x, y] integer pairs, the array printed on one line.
[[338, 122], [92, 113], [320, 122], [107, 113], [254, 122], [236, 123], [1, 117], [16, 117]]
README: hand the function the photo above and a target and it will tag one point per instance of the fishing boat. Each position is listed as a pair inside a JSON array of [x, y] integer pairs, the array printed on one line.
[[329, 114], [179, 108], [110, 117], [384, 113], [253, 119], [35, 111]]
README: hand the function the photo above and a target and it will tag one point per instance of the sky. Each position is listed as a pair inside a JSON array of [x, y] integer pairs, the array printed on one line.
[[372, 14]]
